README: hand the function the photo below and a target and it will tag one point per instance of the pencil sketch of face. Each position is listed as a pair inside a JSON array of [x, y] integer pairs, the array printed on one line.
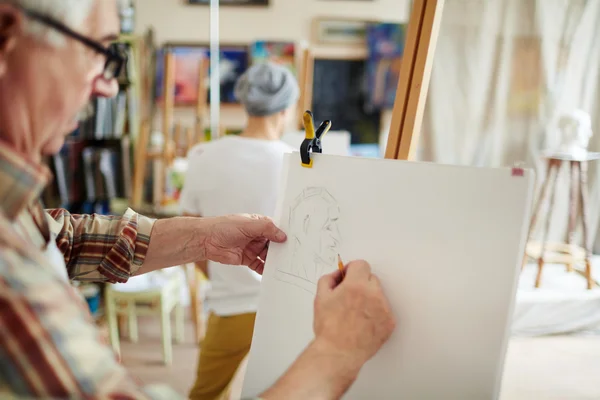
[[314, 229], [313, 223]]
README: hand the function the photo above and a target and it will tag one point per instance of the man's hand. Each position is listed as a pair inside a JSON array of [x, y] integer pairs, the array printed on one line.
[[352, 321], [352, 316], [237, 239], [241, 240]]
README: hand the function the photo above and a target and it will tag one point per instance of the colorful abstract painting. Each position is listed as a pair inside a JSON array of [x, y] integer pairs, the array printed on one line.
[[386, 47], [187, 64], [233, 61], [283, 53]]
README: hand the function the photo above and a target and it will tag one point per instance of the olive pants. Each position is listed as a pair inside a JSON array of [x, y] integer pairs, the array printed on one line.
[[225, 345]]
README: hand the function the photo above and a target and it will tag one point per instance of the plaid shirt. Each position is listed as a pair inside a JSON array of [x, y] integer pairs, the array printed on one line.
[[50, 346]]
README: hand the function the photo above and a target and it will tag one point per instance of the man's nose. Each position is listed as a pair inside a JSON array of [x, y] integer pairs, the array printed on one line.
[[105, 87]]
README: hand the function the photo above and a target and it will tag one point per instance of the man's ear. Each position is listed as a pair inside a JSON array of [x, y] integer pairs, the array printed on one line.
[[11, 22]]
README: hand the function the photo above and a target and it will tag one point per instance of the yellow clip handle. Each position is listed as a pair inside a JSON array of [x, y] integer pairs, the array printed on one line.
[[309, 128], [309, 165], [309, 125]]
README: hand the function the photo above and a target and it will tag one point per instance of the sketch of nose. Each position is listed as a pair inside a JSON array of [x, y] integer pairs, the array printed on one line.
[[335, 234]]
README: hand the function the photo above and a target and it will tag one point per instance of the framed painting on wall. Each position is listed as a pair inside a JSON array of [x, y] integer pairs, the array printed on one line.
[[340, 31], [187, 63], [283, 53], [386, 47], [233, 62], [231, 2]]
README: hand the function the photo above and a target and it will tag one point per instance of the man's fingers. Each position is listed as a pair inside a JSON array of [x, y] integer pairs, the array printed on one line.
[[256, 263], [257, 266], [328, 282], [358, 270], [263, 254], [273, 233], [264, 226]]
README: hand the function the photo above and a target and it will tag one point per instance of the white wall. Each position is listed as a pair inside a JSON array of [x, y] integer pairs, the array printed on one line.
[[173, 20]]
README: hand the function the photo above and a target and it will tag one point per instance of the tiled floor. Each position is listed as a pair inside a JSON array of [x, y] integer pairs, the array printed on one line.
[[549, 368]]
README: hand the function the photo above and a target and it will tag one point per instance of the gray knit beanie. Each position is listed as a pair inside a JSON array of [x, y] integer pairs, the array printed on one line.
[[266, 89]]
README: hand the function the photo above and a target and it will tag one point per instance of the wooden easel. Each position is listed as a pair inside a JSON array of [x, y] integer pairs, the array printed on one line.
[[413, 83], [175, 144]]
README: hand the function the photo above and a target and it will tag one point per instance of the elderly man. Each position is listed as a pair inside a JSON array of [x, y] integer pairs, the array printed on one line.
[[53, 57]]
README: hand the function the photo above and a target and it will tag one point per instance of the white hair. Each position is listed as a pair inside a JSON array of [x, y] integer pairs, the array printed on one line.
[[72, 13]]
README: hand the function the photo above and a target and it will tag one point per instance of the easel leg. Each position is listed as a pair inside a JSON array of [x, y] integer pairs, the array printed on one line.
[[553, 165], [574, 183], [583, 191]]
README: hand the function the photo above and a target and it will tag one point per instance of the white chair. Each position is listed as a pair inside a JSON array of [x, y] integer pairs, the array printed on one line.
[[155, 293]]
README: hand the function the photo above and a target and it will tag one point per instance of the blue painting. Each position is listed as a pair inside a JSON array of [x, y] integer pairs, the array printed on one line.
[[233, 62], [386, 46]]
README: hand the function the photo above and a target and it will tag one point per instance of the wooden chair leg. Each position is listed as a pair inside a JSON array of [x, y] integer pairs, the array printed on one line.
[[554, 165], [113, 323], [165, 324], [574, 184], [200, 277], [584, 197], [132, 321], [536, 210], [179, 323], [193, 289], [196, 302], [122, 323]]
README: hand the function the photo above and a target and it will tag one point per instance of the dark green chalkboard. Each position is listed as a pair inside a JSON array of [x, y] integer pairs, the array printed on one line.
[[339, 94]]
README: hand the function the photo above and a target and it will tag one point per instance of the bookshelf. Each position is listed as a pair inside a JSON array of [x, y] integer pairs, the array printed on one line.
[[93, 171]]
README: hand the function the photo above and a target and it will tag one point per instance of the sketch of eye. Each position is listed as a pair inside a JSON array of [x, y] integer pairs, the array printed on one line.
[[306, 224]]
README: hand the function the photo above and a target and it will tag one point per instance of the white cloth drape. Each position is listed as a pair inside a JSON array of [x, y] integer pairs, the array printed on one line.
[[503, 72]]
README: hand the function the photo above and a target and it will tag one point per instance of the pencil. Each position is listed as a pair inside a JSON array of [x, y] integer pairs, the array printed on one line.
[[341, 265]]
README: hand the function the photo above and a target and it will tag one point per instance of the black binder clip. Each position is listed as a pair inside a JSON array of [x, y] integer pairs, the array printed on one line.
[[312, 141]]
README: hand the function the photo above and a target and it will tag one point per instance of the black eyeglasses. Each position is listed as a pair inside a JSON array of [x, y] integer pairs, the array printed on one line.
[[115, 54]]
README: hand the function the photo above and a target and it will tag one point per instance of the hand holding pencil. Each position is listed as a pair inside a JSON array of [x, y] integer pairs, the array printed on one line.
[[352, 314]]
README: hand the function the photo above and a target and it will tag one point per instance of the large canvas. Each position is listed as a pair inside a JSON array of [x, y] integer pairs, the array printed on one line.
[[233, 62], [386, 47], [447, 243], [283, 53]]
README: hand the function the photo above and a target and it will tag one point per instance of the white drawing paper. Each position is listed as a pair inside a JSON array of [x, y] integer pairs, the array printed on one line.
[[447, 243]]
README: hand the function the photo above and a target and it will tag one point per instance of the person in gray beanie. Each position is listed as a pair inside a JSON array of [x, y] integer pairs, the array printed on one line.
[[267, 89], [238, 174]]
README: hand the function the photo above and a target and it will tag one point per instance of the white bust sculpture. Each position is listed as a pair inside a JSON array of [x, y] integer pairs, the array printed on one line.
[[576, 130]]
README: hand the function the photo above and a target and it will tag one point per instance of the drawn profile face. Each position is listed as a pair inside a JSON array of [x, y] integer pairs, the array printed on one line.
[[314, 224]]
